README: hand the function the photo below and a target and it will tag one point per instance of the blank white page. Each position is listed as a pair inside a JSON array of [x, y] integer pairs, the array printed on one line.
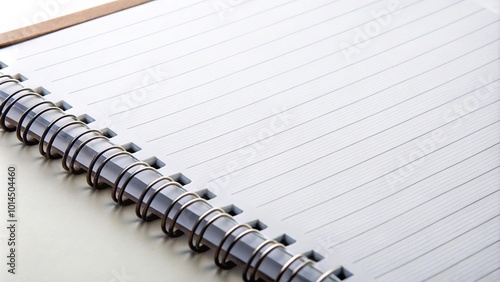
[[370, 128]]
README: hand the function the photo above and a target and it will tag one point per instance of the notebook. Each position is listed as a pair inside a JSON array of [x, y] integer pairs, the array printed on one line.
[[300, 140]]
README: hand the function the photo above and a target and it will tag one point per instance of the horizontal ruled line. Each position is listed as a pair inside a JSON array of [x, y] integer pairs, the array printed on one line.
[[402, 189], [108, 32], [435, 248]]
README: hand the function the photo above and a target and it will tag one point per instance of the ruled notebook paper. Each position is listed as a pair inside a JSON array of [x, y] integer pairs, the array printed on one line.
[[373, 135]]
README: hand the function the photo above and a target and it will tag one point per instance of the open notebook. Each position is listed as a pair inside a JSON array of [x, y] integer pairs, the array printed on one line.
[[363, 134]]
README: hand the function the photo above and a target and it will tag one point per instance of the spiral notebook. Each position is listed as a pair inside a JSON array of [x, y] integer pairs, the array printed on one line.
[[301, 140]]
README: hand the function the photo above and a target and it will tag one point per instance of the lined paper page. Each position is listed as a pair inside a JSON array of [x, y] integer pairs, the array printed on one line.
[[371, 127]]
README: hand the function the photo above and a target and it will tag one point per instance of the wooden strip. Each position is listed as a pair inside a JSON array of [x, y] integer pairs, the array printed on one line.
[[39, 29]]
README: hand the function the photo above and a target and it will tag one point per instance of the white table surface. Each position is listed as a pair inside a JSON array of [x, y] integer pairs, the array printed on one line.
[[68, 232]]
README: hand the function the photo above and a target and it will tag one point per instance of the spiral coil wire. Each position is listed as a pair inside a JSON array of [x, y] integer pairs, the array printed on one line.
[[168, 225]]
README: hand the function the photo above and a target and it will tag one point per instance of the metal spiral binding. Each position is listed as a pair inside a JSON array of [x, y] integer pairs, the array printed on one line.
[[71, 144], [298, 269], [120, 199], [261, 259], [46, 131], [173, 222], [30, 123], [73, 159], [195, 246], [204, 229], [6, 75], [117, 182], [68, 162], [9, 107], [224, 264], [254, 254], [19, 134], [171, 232], [94, 160], [52, 139], [100, 168], [287, 265], [152, 197], [325, 275], [138, 206], [11, 95], [230, 264], [8, 80]]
